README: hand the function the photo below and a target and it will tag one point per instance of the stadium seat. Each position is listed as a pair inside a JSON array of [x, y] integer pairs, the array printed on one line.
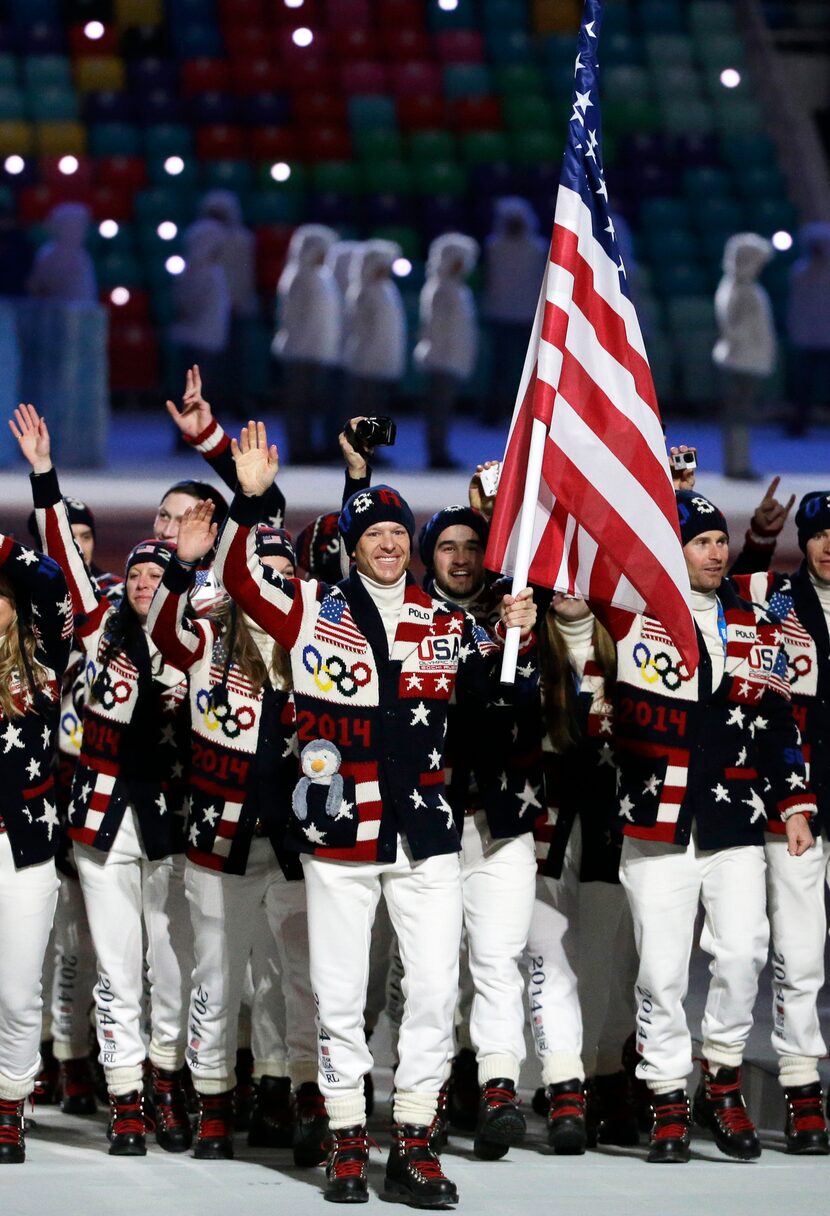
[[168, 139], [44, 71], [371, 110], [60, 138], [364, 76], [392, 177], [377, 143], [431, 145], [12, 103], [439, 178], [416, 79], [100, 73], [483, 147], [335, 177], [16, 137], [460, 46], [312, 107], [236, 175], [51, 103]]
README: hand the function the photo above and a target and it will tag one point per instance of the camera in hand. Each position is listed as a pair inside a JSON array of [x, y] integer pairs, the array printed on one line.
[[371, 433], [684, 460]]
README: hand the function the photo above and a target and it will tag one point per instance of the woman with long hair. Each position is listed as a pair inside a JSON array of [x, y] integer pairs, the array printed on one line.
[[582, 958], [243, 770], [35, 640], [126, 819]]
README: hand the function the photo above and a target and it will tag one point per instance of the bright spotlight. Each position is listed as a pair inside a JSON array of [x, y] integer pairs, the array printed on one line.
[[14, 165], [108, 229], [174, 264], [174, 165], [120, 296], [94, 30], [281, 171], [302, 37], [401, 267], [730, 78], [449, 6], [68, 165], [167, 230], [782, 240]]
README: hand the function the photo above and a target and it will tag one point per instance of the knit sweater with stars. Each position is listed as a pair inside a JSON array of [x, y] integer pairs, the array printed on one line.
[[134, 749], [243, 750], [723, 758], [28, 807], [384, 708]]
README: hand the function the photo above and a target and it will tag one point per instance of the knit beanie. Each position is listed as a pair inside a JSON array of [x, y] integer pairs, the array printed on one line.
[[366, 508], [318, 548], [813, 515], [158, 551], [449, 517], [697, 514], [274, 542]]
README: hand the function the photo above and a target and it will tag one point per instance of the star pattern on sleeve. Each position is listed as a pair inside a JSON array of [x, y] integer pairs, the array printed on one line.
[[12, 737], [420, 715], [721, 793], [626, 807], [49, 817], [314, 835]]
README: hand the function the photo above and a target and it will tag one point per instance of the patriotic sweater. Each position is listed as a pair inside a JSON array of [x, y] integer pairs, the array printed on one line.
[[806, 641], [690, 754], [28, 807], [581, 783], [243, 764], [386, 712], [133, 747], [215, 446]]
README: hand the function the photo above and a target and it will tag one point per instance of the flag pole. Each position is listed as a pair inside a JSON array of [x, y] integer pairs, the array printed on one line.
[[524, 543]]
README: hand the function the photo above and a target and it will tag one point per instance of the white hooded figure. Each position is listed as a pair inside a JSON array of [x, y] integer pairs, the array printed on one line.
[[63, 269], [340, 259], [448, 334], [746, 348], [201, 298], [515, 257], [808, 324], [238, 256], [308, 341], [375, 342]]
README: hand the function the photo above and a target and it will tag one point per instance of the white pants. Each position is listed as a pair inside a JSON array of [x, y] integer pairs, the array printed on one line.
[[798, 922], [498, 883], [27, 906], [665, 884], [583, 967], [73, 973], [120, 888], [225, 910], [424, 902]]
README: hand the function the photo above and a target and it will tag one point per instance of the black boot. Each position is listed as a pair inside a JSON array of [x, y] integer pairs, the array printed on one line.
[[719, 1105], [439, 1129], [244, 1095], [671, 1129], [567, 1133], [348, 1157], [540, 1103], [77, 1087], [127, 1127], [12, 1137], [500, 1122], [173, 1131], [641, 1094], [610, 1113], [311, 1126], [214, 1131], [272, 1118], [414, 1172], [806, 1129], [462, 1097], [46, 1083]]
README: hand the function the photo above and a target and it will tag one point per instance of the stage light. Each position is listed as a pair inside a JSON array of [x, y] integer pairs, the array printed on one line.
[[302, 37], [280, 171], [94, 30], [174, 165], [174, 264], [167, 230], [68, 165], [108, 229], [782, 240], [120, 296], [730, 78], [14, 165], [401, 267]]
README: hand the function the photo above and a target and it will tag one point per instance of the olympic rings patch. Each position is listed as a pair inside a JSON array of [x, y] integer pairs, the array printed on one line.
[[222, 717], [659, 667], [800, 666], [333, 673], [110, 693]]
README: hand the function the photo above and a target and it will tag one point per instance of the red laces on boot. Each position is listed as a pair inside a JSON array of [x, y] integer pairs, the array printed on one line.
[[352, 1167], [568, 1104], [807, 1116], [128, 1117], [427, 1167], [664, 1128], [495, 1096]]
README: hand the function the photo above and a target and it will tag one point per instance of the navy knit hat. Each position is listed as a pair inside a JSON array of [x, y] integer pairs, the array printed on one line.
[[318, 548], [697, 514], [449, 517], [158, 551], [378, 505], [813, 515], [274, 542]]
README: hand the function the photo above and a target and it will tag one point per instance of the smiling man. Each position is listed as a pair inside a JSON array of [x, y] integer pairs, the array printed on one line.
[[374, 662], [694, 753]]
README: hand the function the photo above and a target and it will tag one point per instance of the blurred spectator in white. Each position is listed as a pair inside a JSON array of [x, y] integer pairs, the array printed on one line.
[[746, 348], [201, 303], [63, 269], [375, 342], [308, 341], [448, 336], [238, 260], [340, 259], [808, 326], [515, 256]]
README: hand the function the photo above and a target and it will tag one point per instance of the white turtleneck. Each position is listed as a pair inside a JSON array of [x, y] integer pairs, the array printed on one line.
[[578, 636], [388, 599], [705, 609], [822, 590]]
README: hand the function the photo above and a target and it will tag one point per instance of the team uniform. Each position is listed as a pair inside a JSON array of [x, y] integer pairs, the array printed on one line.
[[243, 770], [127, 824], [29, 830]]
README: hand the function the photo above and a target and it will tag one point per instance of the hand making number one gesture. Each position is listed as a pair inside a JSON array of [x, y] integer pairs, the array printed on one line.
[[256, 463]]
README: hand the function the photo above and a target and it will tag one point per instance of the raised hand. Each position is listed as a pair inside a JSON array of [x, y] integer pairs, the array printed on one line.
[[197, 533], [256, 463], [356, 463], [479, 501], [770, 514], [31, 432], [682, 479], [195, 415]]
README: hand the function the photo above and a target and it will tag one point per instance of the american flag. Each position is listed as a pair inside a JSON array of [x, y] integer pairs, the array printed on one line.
[[605, 521], [335, 624]]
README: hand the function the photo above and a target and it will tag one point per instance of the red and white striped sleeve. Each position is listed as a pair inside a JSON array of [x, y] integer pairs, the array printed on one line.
[[181, 640]]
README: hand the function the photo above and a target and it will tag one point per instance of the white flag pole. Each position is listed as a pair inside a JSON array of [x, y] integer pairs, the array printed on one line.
[[524, 543]]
